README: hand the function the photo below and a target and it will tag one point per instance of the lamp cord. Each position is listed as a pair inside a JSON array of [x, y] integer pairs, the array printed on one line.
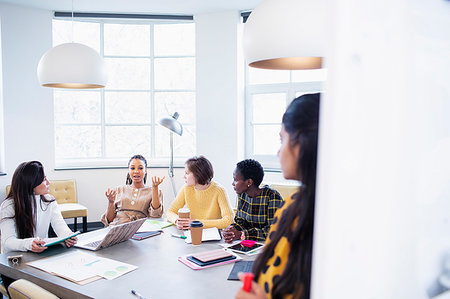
[[72, 22]]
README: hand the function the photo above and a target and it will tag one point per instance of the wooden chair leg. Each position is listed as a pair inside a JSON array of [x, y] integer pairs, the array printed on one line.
[[84, 224], [75, 224]]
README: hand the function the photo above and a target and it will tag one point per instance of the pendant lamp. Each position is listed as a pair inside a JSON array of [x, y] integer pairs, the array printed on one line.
[[72, 65], [286, 34]]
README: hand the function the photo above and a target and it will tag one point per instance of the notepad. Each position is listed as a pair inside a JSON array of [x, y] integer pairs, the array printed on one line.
[[208, 234], [144, 235]]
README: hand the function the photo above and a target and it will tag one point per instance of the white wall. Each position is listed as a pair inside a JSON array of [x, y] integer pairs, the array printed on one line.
[[28, 107], [218, 93], [382, 224]]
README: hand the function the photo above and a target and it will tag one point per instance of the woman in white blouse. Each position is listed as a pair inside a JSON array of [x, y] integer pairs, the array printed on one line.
[[28, 211]]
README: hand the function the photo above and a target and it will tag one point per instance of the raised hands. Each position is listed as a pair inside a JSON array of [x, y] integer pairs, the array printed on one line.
[[111, 195], [156, 180]]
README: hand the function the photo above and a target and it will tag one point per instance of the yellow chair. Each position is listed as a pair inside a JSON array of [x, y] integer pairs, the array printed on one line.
[[24, 289], [65, 193], [285, 190]]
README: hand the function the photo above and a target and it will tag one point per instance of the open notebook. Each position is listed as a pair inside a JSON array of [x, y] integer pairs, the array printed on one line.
[[108, 236], [208, 234]]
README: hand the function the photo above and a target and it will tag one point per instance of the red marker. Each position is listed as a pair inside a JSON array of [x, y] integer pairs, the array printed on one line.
[[248, 278]]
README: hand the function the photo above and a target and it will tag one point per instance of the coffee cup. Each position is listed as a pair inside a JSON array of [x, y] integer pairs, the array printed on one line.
[[196, 232], [184, 213]]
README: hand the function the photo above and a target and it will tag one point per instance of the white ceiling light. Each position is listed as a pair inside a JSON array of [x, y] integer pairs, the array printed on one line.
[[72, 65], [286, 34]]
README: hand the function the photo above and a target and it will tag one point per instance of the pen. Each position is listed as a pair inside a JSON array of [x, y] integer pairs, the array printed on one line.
[[137, 294], [179, 236], [248, 278]]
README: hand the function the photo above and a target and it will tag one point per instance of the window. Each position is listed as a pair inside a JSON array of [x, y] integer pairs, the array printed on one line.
[[151, 74], [268, 92]]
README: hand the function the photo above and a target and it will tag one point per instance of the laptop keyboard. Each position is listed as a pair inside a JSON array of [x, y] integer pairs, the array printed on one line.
[[94, 244]]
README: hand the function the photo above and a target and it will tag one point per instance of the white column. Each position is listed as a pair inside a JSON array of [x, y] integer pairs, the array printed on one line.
[[383, 205]]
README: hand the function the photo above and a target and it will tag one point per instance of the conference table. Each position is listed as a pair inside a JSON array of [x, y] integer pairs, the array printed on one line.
[[160, 274]]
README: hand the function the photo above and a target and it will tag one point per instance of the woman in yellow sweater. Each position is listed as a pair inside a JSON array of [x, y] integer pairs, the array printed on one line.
[[206, 199], [283, 269]]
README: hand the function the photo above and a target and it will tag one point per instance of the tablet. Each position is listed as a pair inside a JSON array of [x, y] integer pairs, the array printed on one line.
[[246, 250], [57, 240]]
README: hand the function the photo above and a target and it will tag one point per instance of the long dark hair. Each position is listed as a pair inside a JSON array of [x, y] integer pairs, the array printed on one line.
[[300, 121], [26, 177], [129, 181]]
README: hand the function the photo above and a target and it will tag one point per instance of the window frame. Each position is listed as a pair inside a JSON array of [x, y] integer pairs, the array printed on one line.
[[103, 161], [271, 162]]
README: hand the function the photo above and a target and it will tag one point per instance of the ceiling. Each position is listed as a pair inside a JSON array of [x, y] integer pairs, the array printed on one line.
[[189, 7]]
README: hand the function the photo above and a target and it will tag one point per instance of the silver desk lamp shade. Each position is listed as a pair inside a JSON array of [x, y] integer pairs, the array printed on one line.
[[172, 124], [176, 127]]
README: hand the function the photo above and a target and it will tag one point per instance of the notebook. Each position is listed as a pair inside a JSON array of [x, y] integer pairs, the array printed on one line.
[[210, 257], [108, 236]]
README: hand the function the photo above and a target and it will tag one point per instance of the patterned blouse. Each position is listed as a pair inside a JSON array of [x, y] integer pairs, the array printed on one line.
[[254, 216], [134, 203], [277, 262]]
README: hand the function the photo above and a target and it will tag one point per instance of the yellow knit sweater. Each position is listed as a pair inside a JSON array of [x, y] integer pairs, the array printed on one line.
[[209, 206]]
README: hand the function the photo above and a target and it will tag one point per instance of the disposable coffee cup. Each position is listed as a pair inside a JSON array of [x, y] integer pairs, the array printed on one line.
[[184, 213], [196, 232]]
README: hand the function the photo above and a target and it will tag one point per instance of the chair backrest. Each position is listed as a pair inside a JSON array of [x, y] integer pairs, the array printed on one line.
[[24, 289], [285, 190], [64, 191]]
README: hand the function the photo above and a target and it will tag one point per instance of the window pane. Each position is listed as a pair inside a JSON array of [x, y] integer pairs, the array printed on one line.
[[268, 108], [175, 73], [266, 139], [183, 146], [175, 39], [166, 103], [127, 107], [76, 106], [128, 73], [127, 40], [77, 142], [260, 76], [83, 33], [125, 141], [309, 75]]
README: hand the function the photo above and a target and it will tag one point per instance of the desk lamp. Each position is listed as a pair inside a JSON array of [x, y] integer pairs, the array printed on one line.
[[174, 126]]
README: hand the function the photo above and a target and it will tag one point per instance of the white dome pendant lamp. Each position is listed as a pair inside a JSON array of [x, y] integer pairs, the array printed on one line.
[[72, 65], [286, 34]]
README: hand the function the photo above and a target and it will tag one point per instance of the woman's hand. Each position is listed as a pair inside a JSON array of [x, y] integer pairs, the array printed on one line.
[[111, 195], [231, 233], [71, 241], [156, 180], [38, 245], [183, 223], [256, 292]]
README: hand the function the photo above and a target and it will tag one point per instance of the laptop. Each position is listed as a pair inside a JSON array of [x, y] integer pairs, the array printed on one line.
[[108, 236]]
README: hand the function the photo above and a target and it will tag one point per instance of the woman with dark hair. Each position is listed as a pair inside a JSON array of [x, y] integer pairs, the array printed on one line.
[[283, 269], [206, 199], [134, 200], [28, 211], [256, 206]]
